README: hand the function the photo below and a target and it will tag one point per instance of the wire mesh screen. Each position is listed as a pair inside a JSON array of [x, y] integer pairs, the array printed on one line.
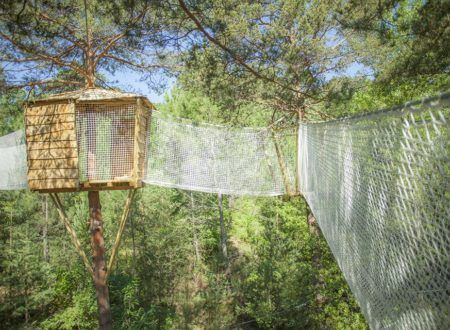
[[379, 188], [105, 135], [13, 161], [208, 158]]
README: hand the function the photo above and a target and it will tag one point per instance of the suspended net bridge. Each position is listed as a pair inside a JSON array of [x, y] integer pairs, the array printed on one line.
[[378, 185]]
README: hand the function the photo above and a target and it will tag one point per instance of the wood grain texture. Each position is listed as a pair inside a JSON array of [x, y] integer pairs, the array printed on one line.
[[50, 109], [140, 132], [53, 153], [52, 150], [49, 128], [53, 163], [66, 135], [54, 173], [50, 184], [50, 119], [38, 145]]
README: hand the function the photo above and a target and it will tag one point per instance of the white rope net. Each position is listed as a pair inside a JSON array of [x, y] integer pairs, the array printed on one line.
[[13, 161], [208, 158], [378, 185], [379, 188]]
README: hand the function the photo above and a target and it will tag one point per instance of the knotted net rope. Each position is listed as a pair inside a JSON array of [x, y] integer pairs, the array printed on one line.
[[219, 159], [378, 186]]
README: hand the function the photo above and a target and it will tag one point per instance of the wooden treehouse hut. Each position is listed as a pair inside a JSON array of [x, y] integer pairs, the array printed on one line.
[[91, 139]]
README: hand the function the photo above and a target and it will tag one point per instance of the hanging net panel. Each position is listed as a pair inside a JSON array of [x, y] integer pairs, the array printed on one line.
[[208, 158], [379, 188], [13, 161]]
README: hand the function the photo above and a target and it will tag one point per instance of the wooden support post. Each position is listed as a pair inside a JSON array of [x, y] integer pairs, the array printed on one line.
[[122, 223], [282, 164], [98, 254], [73, 235]]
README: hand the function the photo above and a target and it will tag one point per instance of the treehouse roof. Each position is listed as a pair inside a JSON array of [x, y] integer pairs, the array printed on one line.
[[88, 95]]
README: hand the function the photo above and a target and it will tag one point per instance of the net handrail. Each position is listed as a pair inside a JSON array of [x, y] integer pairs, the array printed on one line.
[[379, 187], [378, 184]]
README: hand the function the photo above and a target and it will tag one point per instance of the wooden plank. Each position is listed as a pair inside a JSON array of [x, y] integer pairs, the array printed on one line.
[[53, 163], [54, 173], [52, 153], [52, 184], [50, 119], [109, 102], [138, 145], [53, 136], [51, 145], [50, 109], [54, 127]]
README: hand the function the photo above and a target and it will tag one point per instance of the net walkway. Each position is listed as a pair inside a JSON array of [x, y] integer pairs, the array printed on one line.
[[209, 158], [379, 188], [378, 185]]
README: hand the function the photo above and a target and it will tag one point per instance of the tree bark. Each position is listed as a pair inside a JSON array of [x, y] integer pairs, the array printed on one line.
[[223, 232], [194, 232], [45, 229], [98, 255], [316, 257]]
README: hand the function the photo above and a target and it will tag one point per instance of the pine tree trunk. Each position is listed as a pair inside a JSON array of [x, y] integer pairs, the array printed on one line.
[[316, 256], [98, 254], [194, 232], [223, 233], [45, 229]]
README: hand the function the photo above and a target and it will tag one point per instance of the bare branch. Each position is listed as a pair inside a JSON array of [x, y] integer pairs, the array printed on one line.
[[43, 56], [137, 65], [46, 82]]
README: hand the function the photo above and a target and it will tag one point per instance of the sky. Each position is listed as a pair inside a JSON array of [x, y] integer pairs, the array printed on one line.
[[130, 81]]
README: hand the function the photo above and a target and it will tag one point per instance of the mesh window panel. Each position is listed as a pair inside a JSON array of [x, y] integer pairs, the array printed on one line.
[[105, 135]]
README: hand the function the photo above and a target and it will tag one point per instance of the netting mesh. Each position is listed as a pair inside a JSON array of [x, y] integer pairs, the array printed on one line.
[[379, 188], [105, 136], [13, 161], [378, 185], [208, 158]]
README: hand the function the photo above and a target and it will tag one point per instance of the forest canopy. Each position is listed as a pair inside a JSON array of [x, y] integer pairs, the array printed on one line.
[[188, 259]]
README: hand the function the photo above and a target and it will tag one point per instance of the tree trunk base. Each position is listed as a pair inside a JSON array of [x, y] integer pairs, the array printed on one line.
[[98, 256]]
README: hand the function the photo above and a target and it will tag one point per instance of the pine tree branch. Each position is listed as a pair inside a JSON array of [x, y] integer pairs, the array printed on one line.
[[43, 56], [236, 57]]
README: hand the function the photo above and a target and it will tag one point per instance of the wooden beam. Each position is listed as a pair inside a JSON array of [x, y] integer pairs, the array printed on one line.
[[72, 233], [122, 224], [282, 164], [50, 184]]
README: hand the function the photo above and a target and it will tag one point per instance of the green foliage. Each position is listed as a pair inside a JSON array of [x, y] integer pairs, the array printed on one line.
[[170, 271], [400, 39], [374, 96], [11, 113]]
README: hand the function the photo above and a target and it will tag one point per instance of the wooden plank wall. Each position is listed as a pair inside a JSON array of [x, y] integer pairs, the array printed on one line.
[[51, 147], [142, 117]]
